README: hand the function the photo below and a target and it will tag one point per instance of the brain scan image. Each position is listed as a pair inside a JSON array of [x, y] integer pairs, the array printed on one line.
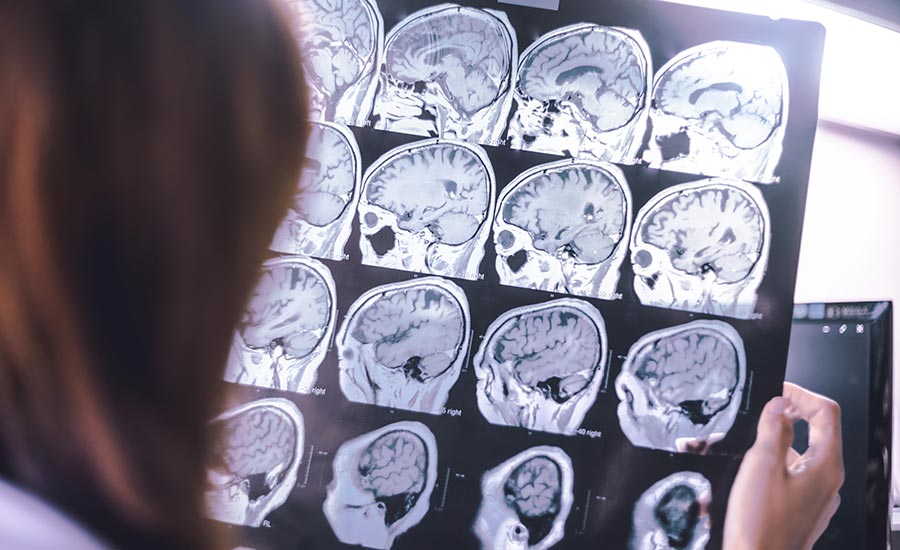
[[540, 367], [673, 514], [319, 221], [403, 345], [447, 73], [680, 388], [702, 246], [382, 484], [720, 109], [426, 207], [564, 227], [582, 91], [255, 462], [525, 501], [343, 40], [287, 327]]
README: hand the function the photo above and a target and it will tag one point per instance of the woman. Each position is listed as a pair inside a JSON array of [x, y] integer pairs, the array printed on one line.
[[148, 150]]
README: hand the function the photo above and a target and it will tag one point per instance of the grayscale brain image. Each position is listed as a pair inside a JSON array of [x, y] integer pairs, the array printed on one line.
[[286, 329], [447, 73], [344, 39], [564, 227], [319, 221], [582, 91], [382, 483], [702, 246], [255, 463], [540, 367], [426, 207], [673, 514], [680, 388], [720, 109], [403, 345], [525, 501]]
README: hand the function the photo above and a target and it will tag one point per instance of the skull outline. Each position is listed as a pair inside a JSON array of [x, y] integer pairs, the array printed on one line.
[[528, 130], [295, 235], [231, 504], [560, 272], [272, 366], [649, 420], [657, 282], [505, 400], [364, 380], [710, 152], [422, 251], [647, 532]]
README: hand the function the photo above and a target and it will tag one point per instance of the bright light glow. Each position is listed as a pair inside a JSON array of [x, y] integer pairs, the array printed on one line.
[[859, 80]]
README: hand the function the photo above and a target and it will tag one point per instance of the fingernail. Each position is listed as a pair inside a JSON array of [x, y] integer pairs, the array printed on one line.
[[777, 406], [791, 412]]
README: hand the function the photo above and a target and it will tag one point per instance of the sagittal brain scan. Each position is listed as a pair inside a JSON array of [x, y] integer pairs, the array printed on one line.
[[403, 345], [255, 462], [680, 388], [525, 501], [564, 227], [319, 221], [447, 73], [382, 484], [427, 207], [287, 328], [702, 246], [540, 367], [720, 109], [673, 514], [582, 91], [343, 42]]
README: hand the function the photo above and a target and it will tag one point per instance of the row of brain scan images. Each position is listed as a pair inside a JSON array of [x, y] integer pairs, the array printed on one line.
[[563, 227], [539, 367], [585, 90], [383, 480]]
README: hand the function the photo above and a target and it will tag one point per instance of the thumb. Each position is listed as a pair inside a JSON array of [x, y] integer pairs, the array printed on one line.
[[774, 433]]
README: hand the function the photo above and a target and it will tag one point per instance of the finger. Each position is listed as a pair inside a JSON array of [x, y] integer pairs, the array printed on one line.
[[792, 457], [824, 418], [774, 433]]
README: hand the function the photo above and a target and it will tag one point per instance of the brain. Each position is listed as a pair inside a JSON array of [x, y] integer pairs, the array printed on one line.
[[290, 307], [338, 37], [328, 179], [533, 490], [696, 370], [443, 187], [555, 351], [394, 469], [713, 230], [419, 330], [579, 209], [464, 51], [678, 513], [734, 90], [600, 70]]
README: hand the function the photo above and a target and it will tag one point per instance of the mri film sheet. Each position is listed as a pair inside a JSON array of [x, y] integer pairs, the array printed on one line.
[[492, 344]]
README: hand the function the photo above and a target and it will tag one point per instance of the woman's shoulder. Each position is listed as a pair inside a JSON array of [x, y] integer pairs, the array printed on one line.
[[29, 523]]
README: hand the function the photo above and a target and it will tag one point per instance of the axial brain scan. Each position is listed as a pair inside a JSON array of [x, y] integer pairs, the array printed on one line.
[[403, 345], [287, 327], [382, 484], [255, 462], [582, 90], [447, 73], [539, 367], [343, 40], [525, 501], [673, 514], [426, 207], [720, 109], [319, 221], [563, 227], [680, 388], [702, 246]]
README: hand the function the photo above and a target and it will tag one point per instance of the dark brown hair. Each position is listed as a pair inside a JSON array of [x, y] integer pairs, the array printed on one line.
[[148, 150]]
